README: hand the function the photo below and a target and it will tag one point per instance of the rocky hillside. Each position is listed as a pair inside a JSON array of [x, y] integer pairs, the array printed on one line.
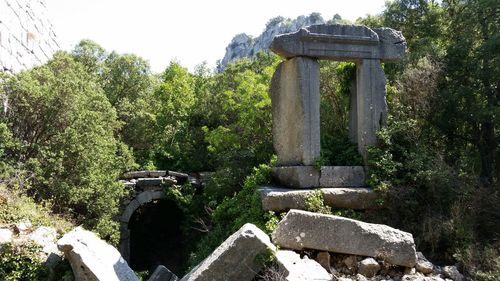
[[244, 45]]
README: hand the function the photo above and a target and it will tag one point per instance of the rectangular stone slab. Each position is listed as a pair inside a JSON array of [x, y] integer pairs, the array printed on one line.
[[293, 268], [235, 258], [341, 42], [306, 230], [342, 176], [297, 176], [295, 109], [283, 199]]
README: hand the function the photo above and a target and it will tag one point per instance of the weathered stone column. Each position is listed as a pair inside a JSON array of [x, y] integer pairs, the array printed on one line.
[[371, 103], [295, 110]]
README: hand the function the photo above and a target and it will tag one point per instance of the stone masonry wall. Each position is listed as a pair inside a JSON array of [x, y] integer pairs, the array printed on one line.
[[27, 37]]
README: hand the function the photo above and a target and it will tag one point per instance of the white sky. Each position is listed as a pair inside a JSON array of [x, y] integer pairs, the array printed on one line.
[[190, 31]]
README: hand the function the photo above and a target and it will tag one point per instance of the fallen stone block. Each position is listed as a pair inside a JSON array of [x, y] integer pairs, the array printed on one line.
[[162, 273], [5, 235], [236, 258], [368, 267], [284, 199], [423, 265], [293, 268], [93, 259], [306, 230]]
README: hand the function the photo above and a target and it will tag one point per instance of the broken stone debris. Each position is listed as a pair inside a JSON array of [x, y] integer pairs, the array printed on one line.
[[93, 259], [306, 230], [294, 268], [235, 258], [162, 273]]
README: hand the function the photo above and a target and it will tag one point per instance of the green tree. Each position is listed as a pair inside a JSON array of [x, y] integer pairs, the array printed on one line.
[[67, 129], [468, 102]]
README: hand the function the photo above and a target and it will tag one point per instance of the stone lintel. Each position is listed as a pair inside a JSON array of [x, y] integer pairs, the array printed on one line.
[[341, 42]]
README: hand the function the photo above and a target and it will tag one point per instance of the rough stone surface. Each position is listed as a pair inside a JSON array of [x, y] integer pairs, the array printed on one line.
[[368, 267], [342, 176], [371, 105], [423, 265], [23, 227], [341, 42], [44, 237], [92, 258], [297, 176], [284, 199], [306, 230], [294, 268], [235, 258], [162, 273], [5, 235], [323, 258], [243, 45], [27, 37], [295, 110], [453, 273]]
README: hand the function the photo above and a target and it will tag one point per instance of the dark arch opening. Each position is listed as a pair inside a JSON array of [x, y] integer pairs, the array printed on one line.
[[156, 237]]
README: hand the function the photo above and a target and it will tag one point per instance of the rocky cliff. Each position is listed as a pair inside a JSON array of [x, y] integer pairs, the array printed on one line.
[[244, 46]]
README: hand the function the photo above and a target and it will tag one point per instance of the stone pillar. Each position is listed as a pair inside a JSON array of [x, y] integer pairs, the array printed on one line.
[[353, 112], [371, 103], [295, 110]]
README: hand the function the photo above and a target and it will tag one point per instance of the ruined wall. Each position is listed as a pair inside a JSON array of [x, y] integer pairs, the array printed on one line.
[[26, 35]]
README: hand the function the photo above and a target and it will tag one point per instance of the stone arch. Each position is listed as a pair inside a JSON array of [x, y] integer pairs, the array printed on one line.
[[139, 200]]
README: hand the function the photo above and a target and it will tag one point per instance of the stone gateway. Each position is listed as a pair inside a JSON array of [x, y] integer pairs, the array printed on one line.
[[295, 85], [296, 98]]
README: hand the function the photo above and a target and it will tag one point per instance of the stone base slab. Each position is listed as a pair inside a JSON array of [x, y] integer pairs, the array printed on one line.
[[283, 199], [326, 176]]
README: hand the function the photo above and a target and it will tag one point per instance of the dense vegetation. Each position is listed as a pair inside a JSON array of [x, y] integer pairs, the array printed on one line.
[[69, 128]]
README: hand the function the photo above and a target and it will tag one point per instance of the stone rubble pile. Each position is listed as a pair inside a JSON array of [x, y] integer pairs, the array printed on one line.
[[305, 246], [23, 232]]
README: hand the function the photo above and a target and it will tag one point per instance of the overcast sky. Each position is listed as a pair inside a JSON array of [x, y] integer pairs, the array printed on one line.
[[189, 31]]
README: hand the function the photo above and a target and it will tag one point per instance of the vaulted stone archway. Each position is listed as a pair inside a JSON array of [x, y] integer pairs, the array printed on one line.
[[150, 223]]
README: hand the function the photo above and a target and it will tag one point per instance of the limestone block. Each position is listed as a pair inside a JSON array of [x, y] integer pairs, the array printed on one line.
[[368, 267], [295, 110], [149, 182], [371, 103], [46, 238], [306, 230], [129, 210], [5, 235], [351, 198], [323, 258], [297, 176], [423, 265], [342, 176], [148, 196], [235, 258], [93, 259], [283, 199], [341, 42], [162, 273], [453, 273], [135, 175], [293, 268]]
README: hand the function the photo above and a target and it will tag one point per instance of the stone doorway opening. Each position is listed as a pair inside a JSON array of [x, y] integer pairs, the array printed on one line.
[[337, 140], [156, 237]]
